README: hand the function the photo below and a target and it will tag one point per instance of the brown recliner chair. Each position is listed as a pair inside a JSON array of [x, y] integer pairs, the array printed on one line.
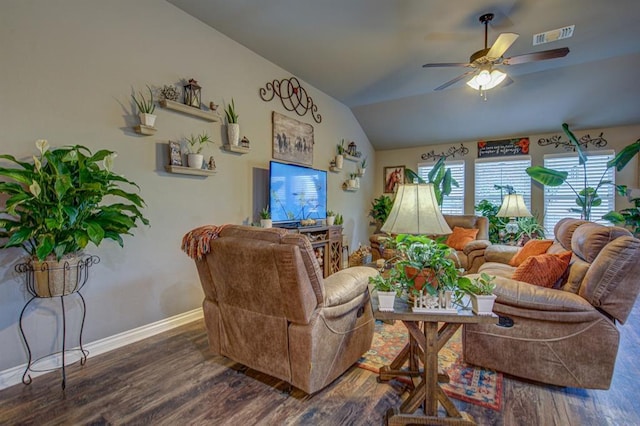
[[268, 307], [564, 336], [470, 258]]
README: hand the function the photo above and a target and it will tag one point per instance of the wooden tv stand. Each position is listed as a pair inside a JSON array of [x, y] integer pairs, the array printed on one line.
[[327, 245]]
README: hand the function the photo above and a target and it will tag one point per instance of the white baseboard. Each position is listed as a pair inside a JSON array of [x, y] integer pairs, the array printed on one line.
[[13, 376]]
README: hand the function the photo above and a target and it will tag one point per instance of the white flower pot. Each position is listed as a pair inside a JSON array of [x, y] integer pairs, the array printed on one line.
[[351, 183], [233, 134], [266, 223], [386, 299], [339, 161], [482, 304], [147, 119], [195, 160], [331, 220], [361, 171]]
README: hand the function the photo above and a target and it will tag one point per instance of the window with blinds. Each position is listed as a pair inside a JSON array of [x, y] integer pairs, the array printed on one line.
[[454, 202], [559, 200], [502, 171]]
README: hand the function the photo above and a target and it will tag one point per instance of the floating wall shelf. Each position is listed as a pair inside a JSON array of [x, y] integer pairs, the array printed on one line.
[[350, 189], [236, 149], [186, 109], [144, 130], [335, 169], [189, 171], [350, 157]]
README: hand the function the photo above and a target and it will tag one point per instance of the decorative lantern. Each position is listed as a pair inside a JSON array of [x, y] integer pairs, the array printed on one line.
[[192, 94]]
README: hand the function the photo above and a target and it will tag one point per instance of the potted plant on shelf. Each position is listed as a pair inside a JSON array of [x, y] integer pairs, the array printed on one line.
[[265, 218], [339, 160], [480, 289], [331, 218], [195, 145], [233, 128], [387, 288], [351, 182], [145, 108], [363, 167], [59, 204]]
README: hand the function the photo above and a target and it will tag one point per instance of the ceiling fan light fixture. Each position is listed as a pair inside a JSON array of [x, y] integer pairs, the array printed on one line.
[[486, 81]]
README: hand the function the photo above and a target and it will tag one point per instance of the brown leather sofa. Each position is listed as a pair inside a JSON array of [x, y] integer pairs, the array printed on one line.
[[268, 307], [470, 258], [564, 336]]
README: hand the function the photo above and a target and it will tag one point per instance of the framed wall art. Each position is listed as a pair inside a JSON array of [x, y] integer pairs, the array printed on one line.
[[175, 156], [393, 176], [292, 140]]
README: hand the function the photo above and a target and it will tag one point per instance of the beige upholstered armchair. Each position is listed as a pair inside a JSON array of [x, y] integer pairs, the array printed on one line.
[[564, 334], [469, 256], [267, 306]]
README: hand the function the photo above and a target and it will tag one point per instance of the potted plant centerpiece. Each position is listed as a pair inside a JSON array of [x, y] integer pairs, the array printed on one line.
[[265, 218], [67, 198], [387, 288], [233, 128], [145, 108], [195, 144], [480, 289]]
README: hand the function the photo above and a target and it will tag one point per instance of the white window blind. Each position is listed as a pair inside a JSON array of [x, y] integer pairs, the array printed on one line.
[[502, 171], [559, 200], [454, 202]]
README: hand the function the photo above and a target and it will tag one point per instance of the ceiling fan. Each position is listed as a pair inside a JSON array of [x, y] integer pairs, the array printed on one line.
[[483, 61]]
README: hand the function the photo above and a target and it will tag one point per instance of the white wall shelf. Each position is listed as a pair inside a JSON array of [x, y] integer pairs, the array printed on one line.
[[335, 169], [145, 130], [236, 149], [186, 109], [350, 157], [189, 171]]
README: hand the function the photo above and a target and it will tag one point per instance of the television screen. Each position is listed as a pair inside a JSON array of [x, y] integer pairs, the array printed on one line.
[[296, 192]]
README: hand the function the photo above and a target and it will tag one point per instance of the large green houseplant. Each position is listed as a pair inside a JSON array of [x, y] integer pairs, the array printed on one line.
[[63, 200], [439, 176], [587, 197]]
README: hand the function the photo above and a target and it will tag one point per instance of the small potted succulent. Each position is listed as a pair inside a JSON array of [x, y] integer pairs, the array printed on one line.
[[195, 145], [265, 218], [339, 160], [362, 167], [331, 217], [480, 289], [233, 128], [352, 182], [146, 108], [387, 288]]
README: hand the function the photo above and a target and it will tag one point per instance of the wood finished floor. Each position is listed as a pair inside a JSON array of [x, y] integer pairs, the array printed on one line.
[[172, 379]]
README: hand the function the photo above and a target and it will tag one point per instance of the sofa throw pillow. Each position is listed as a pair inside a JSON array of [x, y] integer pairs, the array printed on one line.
[[531, 248], [460, 237], [543, 270]]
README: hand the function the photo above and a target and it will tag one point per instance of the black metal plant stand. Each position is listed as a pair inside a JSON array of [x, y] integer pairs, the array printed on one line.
[[71, 277]]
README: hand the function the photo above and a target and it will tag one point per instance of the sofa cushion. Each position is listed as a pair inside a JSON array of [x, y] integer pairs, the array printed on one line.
[[543, 270], [531, 248], [564, 229], [460, 237], [589, 238]]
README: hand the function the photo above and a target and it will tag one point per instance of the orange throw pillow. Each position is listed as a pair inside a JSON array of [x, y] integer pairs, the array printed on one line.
[[543, 270], [531, 248], [461, 237]]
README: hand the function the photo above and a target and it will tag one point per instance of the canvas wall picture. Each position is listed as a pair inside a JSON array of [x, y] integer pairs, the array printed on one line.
[[292, 140]]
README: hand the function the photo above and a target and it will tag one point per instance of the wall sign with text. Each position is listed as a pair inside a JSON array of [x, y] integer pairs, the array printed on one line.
[[503, 148]]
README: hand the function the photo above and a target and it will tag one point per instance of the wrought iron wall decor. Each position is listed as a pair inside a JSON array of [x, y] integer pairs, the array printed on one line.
[[451, 152], [584, 142], [293, 96]]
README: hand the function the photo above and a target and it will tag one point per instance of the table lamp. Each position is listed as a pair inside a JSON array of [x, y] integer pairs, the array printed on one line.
[[416, 211], [512, 207]]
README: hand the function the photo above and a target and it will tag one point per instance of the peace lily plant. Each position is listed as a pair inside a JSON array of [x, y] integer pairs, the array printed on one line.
[[65, 200]]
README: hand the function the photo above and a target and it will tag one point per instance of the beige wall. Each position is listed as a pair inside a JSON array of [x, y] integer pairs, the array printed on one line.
[[68, 68], [617, 138]]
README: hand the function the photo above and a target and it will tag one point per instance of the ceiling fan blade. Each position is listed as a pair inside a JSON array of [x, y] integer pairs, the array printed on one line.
[[504, 41], [537, 56], [446, 64], [455, 80], [507, 81]]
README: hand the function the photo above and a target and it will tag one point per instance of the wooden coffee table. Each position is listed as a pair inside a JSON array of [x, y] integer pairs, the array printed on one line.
[[426, 338]]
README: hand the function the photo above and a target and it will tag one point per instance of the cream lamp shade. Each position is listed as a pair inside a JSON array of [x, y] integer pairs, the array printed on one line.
[[416, 211], [513, 206], [486, 80]]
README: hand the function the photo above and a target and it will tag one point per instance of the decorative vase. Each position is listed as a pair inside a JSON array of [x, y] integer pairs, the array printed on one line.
[[233, 134], [386, 299], [266, 223], [331, 220], [56, 278], [195, 160], [482, 304], [339, 161], [147, 119]]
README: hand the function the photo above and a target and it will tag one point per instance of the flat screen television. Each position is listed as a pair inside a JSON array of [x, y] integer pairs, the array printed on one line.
[[296, 193]]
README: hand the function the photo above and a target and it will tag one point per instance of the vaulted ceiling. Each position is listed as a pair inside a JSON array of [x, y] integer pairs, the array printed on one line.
[[369, 54]]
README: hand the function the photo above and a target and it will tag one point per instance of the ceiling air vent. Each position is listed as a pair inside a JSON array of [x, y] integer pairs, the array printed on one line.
[[553, 35]]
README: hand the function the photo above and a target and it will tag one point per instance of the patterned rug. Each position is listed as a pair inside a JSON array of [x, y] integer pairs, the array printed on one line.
[[476, 385]]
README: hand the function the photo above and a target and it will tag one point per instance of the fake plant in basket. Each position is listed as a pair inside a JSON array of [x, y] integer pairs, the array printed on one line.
[[63, 201]]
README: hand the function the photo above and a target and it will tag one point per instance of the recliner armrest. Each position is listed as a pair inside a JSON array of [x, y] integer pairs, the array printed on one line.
[[347, 284], [499, 253], [523, 295], [476, 245]]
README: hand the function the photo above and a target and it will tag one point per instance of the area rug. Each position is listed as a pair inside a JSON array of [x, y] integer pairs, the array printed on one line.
[[468, 383]]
